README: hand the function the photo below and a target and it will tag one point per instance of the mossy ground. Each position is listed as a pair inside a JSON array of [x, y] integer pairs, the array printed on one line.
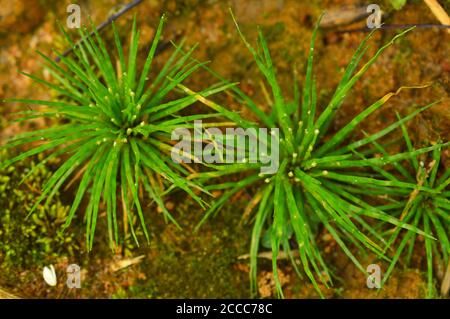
[[206, 264]]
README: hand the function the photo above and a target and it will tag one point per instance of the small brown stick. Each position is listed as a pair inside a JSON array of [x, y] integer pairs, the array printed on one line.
[[6, 295], [438, 12], [125, 263], [445, 287]]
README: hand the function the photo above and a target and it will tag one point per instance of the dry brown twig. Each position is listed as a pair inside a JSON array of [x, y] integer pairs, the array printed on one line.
[[438, 12], [6, 295], [445, 287]]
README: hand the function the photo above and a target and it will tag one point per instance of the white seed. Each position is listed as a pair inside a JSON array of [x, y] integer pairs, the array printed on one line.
[[129, 131], [316, 131], [290, 174], [142, 123], [313, 164], [49, 275], [267, 180], [324, 172], [294, 155]]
